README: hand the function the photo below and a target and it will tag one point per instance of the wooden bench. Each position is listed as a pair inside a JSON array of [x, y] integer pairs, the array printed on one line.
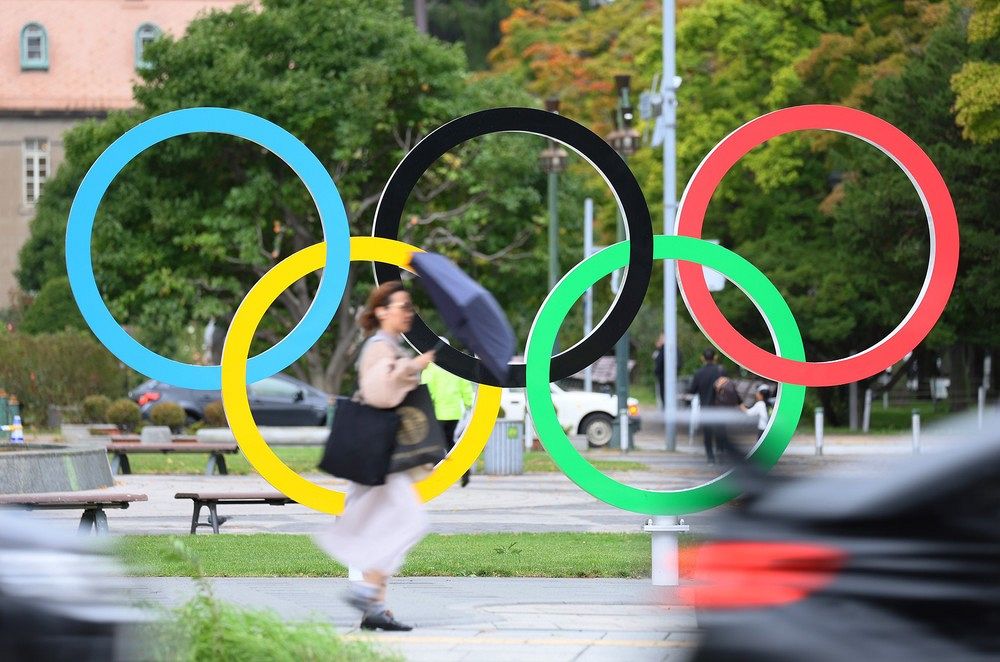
[[135, 439], [212, 499], [216, 454], [93, 504]]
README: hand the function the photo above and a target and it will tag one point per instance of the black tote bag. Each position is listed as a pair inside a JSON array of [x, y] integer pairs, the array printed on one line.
[[420, 439], [361, 442]]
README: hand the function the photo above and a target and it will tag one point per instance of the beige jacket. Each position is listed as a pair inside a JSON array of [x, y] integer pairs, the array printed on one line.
[[386, 373]]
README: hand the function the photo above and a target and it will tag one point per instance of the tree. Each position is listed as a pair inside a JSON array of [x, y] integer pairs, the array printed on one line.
[[473, 23], [977, 83], [54, 309], [878, 222], [784, 206], [189, 225]]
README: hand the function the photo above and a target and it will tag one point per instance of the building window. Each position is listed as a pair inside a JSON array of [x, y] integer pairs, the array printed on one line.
[[34, 47], [36, 168], [146, 33]]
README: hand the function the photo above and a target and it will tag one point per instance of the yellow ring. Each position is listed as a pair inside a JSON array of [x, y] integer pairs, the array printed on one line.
[[234, 393]]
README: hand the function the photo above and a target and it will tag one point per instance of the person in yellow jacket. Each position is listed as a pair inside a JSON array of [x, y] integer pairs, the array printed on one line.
[[452, 396]]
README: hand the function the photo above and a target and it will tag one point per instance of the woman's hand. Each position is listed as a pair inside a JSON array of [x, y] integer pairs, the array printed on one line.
[[425, 359]]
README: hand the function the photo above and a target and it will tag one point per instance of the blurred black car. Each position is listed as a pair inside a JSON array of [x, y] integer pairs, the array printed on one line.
[[62, 598], [277, 400], [905, 566]]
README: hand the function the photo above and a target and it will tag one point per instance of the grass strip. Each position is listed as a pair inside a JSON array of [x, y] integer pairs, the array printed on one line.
[[464, 555]]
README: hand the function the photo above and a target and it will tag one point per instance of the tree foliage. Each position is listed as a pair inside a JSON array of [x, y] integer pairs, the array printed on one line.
[[833, 223], [190, 224], [977, 83]]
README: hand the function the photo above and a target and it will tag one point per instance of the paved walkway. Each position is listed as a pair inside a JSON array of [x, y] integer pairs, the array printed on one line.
[[482, 619], [486, 619], [500, 504]]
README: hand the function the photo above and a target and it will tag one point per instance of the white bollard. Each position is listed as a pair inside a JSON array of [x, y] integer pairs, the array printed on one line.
[[981, 407], [916, 431], [693, 422], [665, 567], [819, 430], [866, 417]]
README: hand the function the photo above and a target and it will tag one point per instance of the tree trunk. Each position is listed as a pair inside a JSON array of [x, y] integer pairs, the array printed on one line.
[[420, 15]]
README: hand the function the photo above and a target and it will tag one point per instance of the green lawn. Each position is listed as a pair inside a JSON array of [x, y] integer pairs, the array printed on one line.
[[476, 555], [303, 459]]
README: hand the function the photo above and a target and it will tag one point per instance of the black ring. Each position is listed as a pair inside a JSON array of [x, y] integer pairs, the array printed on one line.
[[608, 163]]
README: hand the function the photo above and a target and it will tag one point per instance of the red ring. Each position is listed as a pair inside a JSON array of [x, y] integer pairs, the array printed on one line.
[[938, 206]]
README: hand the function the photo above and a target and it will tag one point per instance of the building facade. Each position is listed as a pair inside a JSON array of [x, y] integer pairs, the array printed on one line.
[[62, 61]]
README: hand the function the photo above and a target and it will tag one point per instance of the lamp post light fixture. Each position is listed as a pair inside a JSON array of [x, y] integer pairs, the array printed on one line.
[[552, 161], [624, 140]]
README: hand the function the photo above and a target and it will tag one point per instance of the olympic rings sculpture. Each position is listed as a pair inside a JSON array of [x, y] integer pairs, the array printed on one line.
[[788, 366]]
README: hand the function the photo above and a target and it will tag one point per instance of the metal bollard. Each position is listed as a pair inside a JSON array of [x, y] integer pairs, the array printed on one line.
[[819, 430], [885, 400], [5, 417], [665, 559], [916, 430], [331, 407], [981, 403], [866, 417]]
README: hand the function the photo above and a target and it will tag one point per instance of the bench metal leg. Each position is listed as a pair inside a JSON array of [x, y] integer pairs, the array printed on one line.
[[195, 516], [100, 522], [213, 518], [120, 461], [87, 522], [216, 460]]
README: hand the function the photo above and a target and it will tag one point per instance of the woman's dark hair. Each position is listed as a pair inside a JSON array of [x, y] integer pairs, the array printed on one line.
[[378, 298]]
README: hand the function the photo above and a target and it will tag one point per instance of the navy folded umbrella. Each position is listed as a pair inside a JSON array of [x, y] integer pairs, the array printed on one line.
[[469, 310]]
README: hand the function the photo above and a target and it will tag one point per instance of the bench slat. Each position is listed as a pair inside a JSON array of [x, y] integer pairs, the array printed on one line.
[[180, 447], [224, 496], [71, 499]]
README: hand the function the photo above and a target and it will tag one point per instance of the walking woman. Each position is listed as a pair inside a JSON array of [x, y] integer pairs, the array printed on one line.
[[380, 524]]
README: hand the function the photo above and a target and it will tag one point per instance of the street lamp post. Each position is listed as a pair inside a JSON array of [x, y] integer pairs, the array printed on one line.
[[553, 161], [625, 140]]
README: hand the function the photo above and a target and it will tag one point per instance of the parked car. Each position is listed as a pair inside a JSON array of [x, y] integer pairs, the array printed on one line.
[[579, 412], [902, 566], [277, 400]]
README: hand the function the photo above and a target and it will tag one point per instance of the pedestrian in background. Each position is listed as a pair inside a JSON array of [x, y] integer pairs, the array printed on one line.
[[452, 396], [658, 361], [759, 409], [703, 384], [381, 523]]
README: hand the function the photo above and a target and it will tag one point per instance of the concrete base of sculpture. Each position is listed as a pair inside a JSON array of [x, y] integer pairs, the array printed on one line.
[[274, 436], [53, 468]]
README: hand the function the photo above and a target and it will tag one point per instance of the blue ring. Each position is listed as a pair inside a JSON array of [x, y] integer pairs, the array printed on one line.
[[332, 214]]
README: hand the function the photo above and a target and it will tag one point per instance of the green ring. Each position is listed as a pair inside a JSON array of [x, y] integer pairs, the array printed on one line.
[[538, 356]]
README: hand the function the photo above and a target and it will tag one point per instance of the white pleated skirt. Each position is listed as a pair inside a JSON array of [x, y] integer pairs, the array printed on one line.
[[379, 526]]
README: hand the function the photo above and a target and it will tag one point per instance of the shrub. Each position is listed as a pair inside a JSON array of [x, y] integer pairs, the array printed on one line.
[[214, 415], [125, 414], [95, 408], [170, 414], [56, 369]]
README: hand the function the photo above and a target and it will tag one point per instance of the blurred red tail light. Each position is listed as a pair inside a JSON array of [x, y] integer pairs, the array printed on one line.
[[735, 575], [151, 396]]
